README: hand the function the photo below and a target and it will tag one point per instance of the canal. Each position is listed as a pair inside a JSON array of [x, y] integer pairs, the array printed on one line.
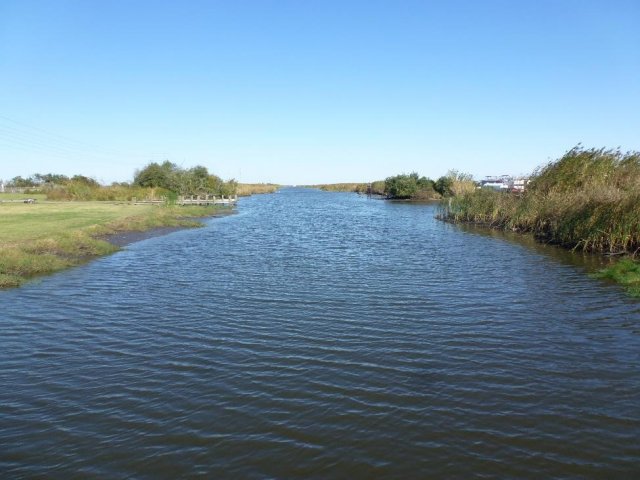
[[322, 335]]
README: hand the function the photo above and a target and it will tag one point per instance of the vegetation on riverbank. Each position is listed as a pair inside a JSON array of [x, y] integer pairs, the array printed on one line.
[[154, 181], [40, 239], [587, 200], [416, 188], [342, 187], [246, 189], [374, 188], [410, 187], [166, 180], [625, 272]]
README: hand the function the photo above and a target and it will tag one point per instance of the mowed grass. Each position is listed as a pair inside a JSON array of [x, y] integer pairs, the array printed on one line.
[[37, 239], [21, 222], [5, 197]]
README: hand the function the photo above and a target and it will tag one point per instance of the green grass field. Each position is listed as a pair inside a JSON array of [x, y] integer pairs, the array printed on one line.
[[21, 222], [42, 238], [5, 197]]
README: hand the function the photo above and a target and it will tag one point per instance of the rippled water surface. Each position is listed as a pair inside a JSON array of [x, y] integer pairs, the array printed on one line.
[[321, 335]]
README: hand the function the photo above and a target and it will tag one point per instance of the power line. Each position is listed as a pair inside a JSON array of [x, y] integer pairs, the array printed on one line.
[[25, 137], [60, 138]]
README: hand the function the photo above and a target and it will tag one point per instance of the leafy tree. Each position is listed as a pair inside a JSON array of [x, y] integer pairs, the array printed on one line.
[[443, 186], [192, 181], [50, 179], [20, 182], [401, 186], [454, 183], [214, 184], [228, 188], [82, 180], [150, 176]]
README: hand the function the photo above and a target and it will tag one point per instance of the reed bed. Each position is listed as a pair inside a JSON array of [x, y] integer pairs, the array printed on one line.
[[377, 187], [246, 189], [587, 200], [342, 187]]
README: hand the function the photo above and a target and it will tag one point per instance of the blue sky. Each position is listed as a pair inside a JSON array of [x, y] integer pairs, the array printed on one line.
[[314, 91]]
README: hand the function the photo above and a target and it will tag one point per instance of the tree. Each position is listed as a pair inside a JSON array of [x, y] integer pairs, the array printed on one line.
[[455, 183], [401, 186], [156, 175], [228, 188], [20, 182], [443, 186], [82, 180], [193, 181], [50, 179]]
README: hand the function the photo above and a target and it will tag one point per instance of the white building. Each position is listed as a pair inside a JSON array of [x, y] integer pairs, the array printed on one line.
[[501, 183], [505, 183]]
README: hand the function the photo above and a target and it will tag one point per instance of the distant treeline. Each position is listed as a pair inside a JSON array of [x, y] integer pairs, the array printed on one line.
[[409, 186], [155, 180], [588, 200]]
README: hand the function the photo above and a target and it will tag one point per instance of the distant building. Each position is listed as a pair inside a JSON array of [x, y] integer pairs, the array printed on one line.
[[501, 183], [519, 184], [505, 183]]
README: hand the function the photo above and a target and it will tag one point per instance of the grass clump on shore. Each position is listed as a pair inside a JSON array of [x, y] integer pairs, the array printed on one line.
[[625, 272], [587, 200], [44, 238]]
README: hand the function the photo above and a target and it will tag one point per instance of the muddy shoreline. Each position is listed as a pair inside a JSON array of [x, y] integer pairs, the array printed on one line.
[[124, 238]]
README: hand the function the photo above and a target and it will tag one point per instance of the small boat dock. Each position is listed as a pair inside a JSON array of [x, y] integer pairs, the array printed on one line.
[[206, 200]]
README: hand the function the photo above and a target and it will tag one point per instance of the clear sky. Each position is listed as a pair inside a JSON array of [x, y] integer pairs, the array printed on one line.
[[314, 91]]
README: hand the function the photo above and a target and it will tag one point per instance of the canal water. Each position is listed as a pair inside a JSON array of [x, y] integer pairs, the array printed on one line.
[[321, 335]]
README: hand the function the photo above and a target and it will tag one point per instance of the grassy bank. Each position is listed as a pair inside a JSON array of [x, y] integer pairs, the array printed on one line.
[[44, 238], [625, 272], [587, 200]]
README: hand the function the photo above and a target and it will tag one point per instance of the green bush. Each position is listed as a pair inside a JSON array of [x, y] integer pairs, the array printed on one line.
[[412, 186]]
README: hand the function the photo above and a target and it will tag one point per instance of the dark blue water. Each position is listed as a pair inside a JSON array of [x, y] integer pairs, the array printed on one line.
[[321, 335]]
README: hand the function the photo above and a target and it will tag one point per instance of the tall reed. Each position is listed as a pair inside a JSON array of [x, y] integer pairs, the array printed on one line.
[[588, 200], [246, 189]]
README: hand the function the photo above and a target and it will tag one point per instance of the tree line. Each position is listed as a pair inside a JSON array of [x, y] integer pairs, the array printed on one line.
[[189, 181], [414, 187], [153, 180]]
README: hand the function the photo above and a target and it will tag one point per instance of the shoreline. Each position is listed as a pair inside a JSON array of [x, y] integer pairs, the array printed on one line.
[[25, 259], [123, 238], [624, 271]]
